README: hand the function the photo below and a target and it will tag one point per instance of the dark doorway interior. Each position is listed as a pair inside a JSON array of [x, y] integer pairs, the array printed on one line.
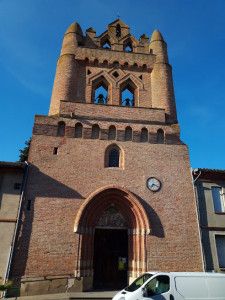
[[110, 258]]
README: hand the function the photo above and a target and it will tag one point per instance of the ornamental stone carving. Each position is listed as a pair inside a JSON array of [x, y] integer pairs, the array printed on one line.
[[112, 218]]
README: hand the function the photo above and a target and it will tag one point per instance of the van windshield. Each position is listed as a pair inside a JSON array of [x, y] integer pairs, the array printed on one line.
[[138, 282]]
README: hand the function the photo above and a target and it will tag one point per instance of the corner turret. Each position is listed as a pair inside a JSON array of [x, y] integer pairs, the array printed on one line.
[[162, 79], [72, 39], [67, 67], [159, 47]]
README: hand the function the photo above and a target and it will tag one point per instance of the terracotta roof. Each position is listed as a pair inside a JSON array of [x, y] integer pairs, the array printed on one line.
[[211, 170], [8, 164]]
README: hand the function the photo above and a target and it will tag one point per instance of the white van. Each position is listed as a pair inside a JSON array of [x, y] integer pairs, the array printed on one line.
[[175, 286]]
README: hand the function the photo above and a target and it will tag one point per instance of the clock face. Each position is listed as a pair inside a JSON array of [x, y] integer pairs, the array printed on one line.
[[153, 184]]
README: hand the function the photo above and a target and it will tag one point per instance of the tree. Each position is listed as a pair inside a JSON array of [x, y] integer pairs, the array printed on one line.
[[24, 152]]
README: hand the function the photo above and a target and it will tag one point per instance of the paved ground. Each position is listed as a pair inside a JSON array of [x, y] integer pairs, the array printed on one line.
[[101, 295]]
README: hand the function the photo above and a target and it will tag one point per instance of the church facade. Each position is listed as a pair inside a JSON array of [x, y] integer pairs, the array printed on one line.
[[109, 188]]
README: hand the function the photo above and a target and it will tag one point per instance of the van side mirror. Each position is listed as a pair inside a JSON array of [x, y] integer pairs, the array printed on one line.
[[144, 292]]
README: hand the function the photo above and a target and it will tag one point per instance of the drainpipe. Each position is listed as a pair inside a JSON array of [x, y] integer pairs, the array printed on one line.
[[17, 225], [197, 213]]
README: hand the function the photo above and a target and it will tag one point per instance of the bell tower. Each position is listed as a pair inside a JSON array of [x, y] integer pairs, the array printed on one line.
[[107, 165], [117, 61]]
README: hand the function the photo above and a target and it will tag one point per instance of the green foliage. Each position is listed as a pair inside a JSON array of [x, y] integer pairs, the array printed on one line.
[[24, 152]]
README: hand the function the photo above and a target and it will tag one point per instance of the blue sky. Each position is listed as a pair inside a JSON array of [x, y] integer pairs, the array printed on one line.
[[31, 33]]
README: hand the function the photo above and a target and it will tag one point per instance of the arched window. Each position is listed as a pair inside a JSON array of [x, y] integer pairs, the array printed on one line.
[[127, 46], [61, 128], [101, 95], [160, 136], [78, 130], [116, 64], [144, 67], [113, 157], [105, 42], [118, 30], [144, 135], [105, 63], [106, 45], [127, 93], [126, 65], [135, 66], [112, 132], [95, 132], [99, 92], [96, 62], [128, 133]]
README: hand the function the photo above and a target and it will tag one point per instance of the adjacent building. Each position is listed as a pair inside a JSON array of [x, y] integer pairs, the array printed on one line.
[[210, 196], [11, 183]]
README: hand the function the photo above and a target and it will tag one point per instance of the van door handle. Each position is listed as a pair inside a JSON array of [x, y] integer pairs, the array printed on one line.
[[171, 297]]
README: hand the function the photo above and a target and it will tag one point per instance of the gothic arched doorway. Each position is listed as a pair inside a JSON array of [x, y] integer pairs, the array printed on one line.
[[108, 215], [110, 250]]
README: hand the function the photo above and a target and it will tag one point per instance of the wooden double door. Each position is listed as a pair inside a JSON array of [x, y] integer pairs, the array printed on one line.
[[110, 258]]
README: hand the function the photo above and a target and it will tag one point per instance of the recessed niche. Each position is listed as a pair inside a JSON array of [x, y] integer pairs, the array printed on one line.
[[115, 74]]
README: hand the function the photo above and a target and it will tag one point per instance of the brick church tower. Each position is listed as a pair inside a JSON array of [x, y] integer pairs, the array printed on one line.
[[109, 193]]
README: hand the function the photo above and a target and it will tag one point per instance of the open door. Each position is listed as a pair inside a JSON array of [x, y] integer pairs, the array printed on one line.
[[110, 258]]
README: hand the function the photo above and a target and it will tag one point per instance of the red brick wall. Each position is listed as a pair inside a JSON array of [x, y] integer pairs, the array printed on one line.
[[58, 185]]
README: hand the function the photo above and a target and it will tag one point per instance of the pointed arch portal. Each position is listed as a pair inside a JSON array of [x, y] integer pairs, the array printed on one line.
[[130, 212]]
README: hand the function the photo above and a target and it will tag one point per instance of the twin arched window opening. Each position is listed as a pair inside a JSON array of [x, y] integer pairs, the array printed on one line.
[[79, 131], [127, 96], [102, 90], [127, 45]]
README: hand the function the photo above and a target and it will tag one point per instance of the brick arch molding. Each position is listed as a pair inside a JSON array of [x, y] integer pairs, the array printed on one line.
[[138, 227]]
